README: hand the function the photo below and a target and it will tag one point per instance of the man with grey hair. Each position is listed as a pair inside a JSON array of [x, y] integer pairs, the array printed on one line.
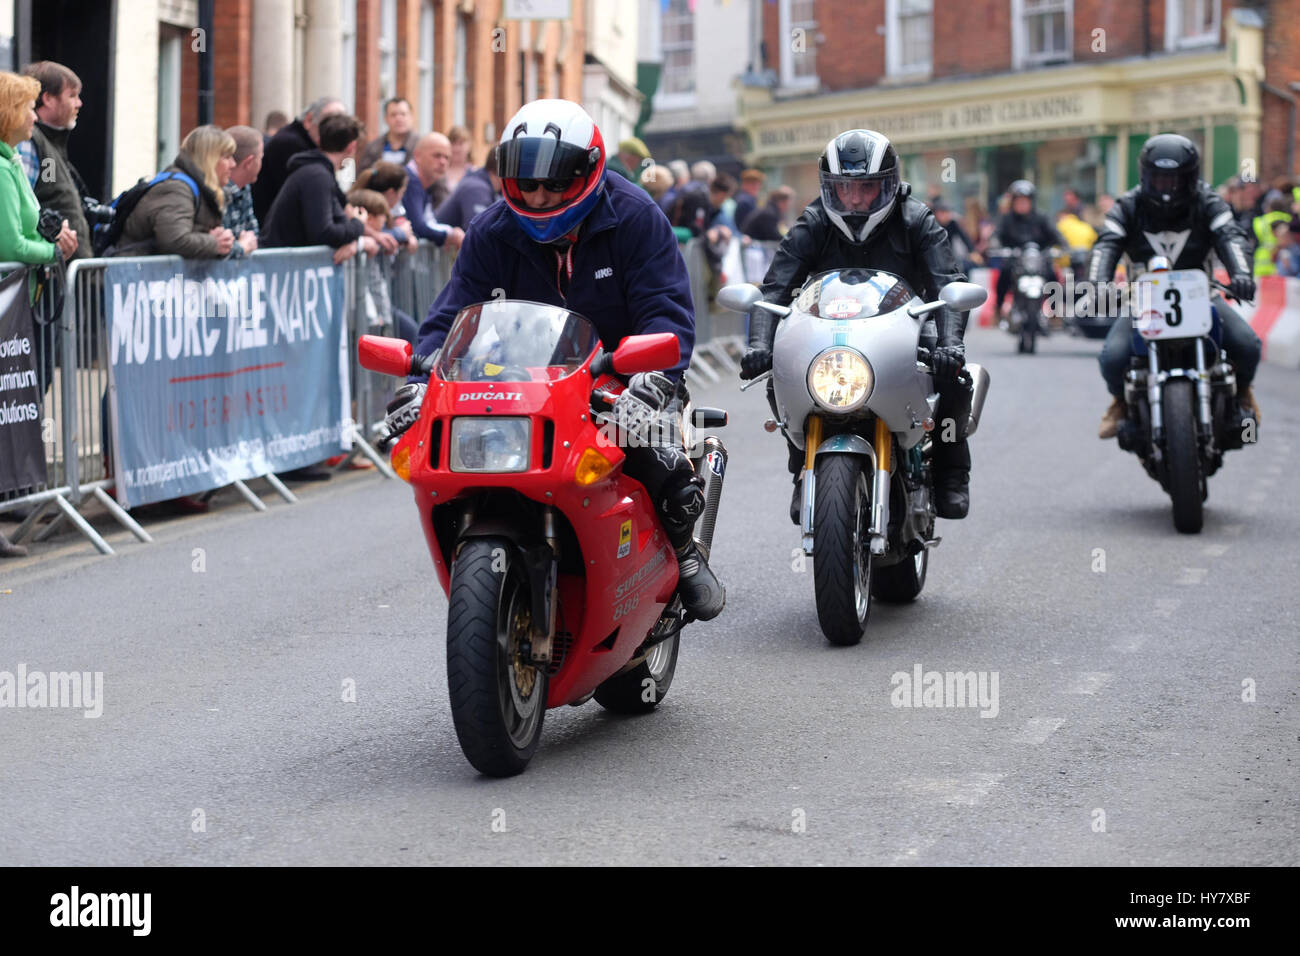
[[238, 215], [298, 137]]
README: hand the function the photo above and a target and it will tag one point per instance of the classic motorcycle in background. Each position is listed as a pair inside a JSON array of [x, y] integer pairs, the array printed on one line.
[[853, 389], [561, 582], [1181, 389], [1031, 271]]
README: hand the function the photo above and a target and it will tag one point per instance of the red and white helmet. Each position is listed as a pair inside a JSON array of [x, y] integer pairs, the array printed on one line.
[[555, 144]]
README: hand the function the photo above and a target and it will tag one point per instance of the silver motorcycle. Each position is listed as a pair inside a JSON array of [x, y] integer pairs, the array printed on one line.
[[853, 389]]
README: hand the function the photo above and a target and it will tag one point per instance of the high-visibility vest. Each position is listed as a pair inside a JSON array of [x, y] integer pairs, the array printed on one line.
[[1263, 226]]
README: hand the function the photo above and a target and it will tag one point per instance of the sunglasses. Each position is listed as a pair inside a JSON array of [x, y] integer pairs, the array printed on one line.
[[550, 185]]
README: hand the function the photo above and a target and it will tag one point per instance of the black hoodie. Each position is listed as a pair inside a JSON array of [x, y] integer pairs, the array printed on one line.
[[309, 209]]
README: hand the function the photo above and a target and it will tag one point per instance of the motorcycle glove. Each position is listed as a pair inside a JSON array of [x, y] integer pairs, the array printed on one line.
[[755, 362], [654, 388], [1242, 288], [948, 360], [404, 409], [638, 408]]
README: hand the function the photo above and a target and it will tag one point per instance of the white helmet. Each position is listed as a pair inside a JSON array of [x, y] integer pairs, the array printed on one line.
[[850, 169]]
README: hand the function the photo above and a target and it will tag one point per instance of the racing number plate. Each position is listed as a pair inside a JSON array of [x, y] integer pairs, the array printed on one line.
[[1173, 305]]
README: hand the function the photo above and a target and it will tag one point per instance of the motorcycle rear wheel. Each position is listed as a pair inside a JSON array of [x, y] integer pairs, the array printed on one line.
[[641, 689], [498, 700], [902, 582], [841, 555], [1183, 455]]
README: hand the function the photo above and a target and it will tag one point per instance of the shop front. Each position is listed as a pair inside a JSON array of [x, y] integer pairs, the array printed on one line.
[[1078, 127]]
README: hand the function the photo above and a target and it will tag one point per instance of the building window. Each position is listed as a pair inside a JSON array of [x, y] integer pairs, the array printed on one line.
[[1191, 23], [909, 36], [460, 81], [1042, 31], [425, 67], [348, 61], [798, 43], [678, 34], [387, 51], [169, 102]]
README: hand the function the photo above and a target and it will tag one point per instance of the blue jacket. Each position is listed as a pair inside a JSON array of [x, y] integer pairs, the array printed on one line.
[[628, 275], [471, 196], [419, 204]]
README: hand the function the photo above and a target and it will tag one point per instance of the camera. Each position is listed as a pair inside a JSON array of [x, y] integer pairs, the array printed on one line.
[[97, 213], [49, 225]]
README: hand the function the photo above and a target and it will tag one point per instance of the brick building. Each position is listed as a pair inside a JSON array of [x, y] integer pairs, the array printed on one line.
[[1062, 92], [459, 62]]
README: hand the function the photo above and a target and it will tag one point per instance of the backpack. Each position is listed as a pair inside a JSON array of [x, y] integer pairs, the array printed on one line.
[[106, 235]]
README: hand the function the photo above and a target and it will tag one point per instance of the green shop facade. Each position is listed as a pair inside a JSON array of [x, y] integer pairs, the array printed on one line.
[[1079, 126]]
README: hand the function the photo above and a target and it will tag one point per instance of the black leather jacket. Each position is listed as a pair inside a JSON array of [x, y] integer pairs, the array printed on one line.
[[910, 243], [1132, 228], [1015, 231]]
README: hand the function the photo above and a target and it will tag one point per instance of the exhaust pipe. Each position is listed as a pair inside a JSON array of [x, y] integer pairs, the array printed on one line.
[[980, 388], [715, 464]]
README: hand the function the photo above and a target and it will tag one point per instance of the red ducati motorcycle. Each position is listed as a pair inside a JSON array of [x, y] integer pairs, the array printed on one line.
[[561, 582]]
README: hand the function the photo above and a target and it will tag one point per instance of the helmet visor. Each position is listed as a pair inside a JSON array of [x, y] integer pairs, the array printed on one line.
[[528, 164], [857, 197], [1170, 186]]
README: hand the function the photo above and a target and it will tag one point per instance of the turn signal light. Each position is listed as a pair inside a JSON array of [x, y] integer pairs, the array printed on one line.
[[401, 461], [592, 467]]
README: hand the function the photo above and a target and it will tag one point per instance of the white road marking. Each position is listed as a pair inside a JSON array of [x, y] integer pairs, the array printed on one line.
[[1215, 550], [1038, 729], [1089, 682], [1131, 644], [967, 790], [1165, 607], [1193, 576]]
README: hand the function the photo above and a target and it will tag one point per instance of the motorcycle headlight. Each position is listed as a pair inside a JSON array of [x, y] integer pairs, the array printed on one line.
[[489, 444], [840, 379], [1030, 285]]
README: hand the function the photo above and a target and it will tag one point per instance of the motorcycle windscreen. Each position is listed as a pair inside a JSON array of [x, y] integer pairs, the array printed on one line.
[[853, 294], [513, 341]]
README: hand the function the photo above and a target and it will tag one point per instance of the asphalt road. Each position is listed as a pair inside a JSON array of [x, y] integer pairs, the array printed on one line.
[[1120, 734]]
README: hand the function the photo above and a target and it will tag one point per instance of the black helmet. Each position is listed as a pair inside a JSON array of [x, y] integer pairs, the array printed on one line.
[[1022, 187], [1170, 170], [850, 166]]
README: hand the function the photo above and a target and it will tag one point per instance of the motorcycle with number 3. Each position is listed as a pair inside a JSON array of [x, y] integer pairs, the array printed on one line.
[[854, 390], [1181, 389], [560, 580]]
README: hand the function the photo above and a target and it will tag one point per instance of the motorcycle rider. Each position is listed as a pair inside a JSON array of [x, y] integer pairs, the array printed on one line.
[[1172, 213], [566, 234], [866, 217], [1021, 226]]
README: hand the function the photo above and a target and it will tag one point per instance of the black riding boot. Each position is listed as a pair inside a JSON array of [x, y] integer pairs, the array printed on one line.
[[950, 455], [701, 592]]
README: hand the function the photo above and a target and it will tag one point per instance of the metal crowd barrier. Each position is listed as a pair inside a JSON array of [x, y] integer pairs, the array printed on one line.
[[76, 396]]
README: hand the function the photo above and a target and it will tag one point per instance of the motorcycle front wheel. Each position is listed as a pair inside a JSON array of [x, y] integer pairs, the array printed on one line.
[[841, 555], [498, 699], [1183, 455]]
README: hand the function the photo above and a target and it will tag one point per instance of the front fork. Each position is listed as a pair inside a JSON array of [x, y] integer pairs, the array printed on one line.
[[883, 447]]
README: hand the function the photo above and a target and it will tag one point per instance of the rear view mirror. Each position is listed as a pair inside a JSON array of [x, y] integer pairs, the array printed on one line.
[[963, 296], [647, 353], [384, 355], [739, 297]]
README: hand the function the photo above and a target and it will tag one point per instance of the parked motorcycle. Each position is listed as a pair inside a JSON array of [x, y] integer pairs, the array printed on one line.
[[1181, 389], [561, 582], [853, 389]]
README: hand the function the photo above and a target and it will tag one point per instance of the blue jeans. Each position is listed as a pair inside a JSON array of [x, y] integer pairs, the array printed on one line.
[[1239, 341]]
